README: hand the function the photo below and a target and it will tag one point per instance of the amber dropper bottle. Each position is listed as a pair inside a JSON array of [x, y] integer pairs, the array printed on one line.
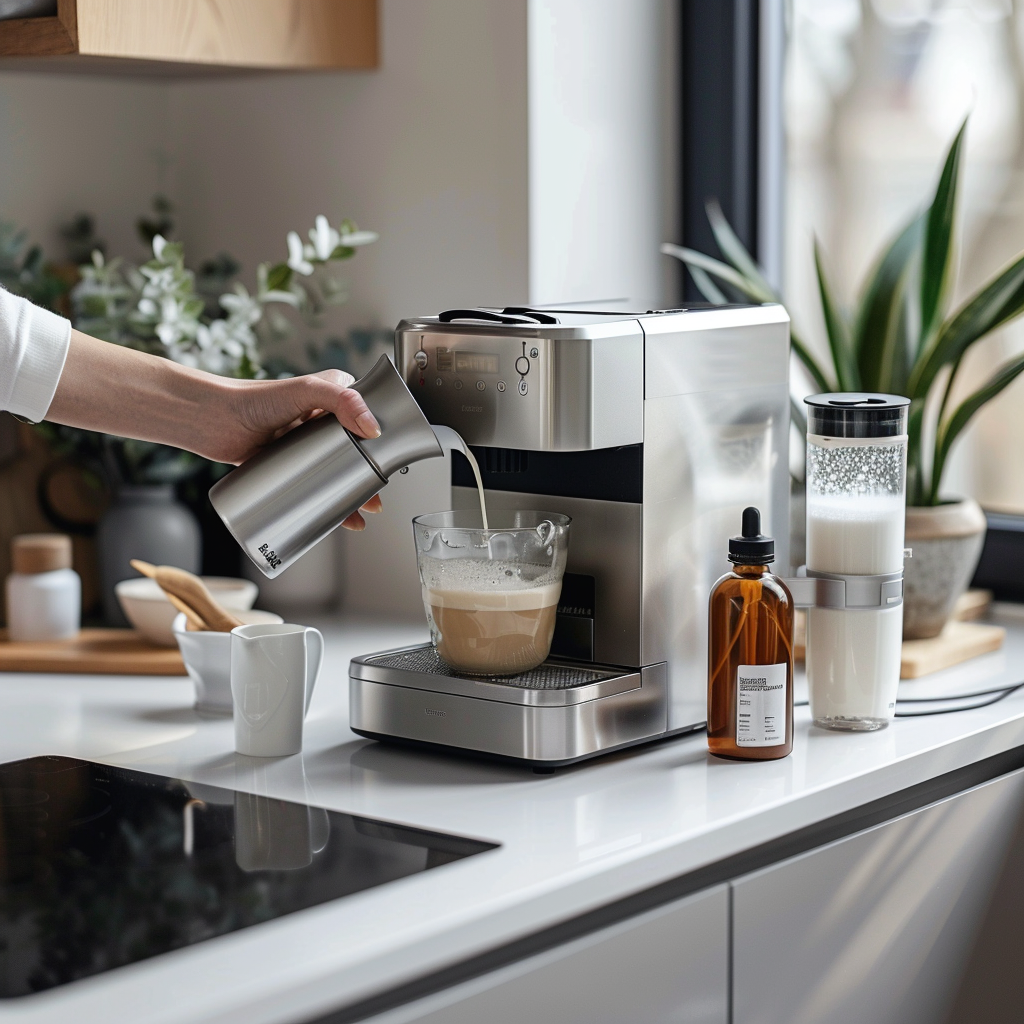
[[750, 653]]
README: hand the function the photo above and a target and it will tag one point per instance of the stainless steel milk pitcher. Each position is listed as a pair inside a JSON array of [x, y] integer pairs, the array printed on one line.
[[300, 488]]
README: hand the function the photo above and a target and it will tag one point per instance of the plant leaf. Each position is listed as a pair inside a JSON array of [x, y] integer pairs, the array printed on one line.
[[803, 353], [880, 327], [707, 287], [797, 415], [847, 374], [279, 277], [965, 411], [915, 467], [999, 301], [733, 249], [718, 269], [896, 364], [937, 254]]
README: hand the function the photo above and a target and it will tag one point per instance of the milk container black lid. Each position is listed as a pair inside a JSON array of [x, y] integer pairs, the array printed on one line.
[[856, 414]]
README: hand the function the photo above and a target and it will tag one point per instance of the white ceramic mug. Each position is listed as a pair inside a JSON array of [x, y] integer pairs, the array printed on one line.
[[273, 671]]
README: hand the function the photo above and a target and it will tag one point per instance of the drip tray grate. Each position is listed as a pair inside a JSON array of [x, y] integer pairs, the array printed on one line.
[[549, 676]]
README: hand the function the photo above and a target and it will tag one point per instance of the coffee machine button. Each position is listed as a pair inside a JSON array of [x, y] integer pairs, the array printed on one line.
[[458, 385], [501, 386], [438, 382], [421, 359], [480, 385], [523, 387], [522, 366]]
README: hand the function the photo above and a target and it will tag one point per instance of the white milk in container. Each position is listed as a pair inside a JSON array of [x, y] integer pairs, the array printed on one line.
[[856, 501]]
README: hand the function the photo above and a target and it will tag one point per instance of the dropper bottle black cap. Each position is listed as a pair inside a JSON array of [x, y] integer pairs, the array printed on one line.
[[752, 548]]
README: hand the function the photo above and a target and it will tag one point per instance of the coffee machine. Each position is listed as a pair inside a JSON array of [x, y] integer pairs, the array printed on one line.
[[652, 431]]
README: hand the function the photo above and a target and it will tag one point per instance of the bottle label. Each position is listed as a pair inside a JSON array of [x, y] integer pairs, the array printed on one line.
[[761, 705]]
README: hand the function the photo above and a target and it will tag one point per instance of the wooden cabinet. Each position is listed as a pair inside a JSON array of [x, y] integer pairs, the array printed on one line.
[[172, 34]]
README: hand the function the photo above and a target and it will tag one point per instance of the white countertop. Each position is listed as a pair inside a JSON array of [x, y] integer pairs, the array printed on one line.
[[570, 842]]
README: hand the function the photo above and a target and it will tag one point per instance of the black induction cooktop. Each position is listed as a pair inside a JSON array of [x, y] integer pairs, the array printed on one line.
[[101, 866]]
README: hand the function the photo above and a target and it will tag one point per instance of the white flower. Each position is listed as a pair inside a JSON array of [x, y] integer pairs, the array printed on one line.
[[324, 238], [296, 258], [175, 324], [241, 306], [354, 239], [159, 242], [159, 281]]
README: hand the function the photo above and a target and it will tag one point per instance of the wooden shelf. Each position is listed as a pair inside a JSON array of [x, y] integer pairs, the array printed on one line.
[[172, 36]]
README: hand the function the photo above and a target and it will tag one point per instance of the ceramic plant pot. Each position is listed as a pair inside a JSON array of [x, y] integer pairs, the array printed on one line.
[[144, 522], [946, 542]]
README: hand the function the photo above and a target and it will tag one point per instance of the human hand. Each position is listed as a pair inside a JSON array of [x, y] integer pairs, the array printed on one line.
[[262, 411]]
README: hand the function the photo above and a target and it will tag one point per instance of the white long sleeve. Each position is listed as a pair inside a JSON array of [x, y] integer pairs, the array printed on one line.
[[33, 346]]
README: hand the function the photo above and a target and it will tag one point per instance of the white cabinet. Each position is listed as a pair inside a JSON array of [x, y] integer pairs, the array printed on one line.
[[876, 928], [667, 966]]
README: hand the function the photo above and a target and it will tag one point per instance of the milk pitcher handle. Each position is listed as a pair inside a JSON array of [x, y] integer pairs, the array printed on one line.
[[314, 659]]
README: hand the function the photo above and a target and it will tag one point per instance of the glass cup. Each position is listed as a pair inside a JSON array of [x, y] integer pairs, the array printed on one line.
[[491, 595]]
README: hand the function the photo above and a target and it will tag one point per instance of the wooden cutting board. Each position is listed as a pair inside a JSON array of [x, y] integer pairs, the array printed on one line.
[[95, 651], [958, 641]]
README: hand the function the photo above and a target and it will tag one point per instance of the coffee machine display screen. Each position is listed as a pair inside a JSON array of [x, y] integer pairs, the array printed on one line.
[[475, 362]]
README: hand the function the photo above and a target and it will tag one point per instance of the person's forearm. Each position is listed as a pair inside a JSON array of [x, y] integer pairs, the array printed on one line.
[[117, 390]]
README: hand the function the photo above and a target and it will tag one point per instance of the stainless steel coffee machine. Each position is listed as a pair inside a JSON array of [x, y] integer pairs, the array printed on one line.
[[653, 431]]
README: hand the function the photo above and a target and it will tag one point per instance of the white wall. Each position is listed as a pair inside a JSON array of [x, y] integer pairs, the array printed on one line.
[[506, 151], [597, 150], [70, 144], [429, 150]]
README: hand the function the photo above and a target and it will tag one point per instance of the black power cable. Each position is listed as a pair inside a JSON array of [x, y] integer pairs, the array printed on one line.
[[994, 697]]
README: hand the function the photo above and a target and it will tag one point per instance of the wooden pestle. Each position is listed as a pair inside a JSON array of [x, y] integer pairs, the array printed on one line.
[[191, 591]]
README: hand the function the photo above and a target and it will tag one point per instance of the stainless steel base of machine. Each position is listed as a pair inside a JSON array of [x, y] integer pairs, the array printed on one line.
[[554, 715]]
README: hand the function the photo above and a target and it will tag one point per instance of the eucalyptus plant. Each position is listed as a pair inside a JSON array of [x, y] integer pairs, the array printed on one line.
[[900, 337]]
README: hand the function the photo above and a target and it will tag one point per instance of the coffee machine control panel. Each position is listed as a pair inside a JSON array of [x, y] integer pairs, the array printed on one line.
[[544, 387]]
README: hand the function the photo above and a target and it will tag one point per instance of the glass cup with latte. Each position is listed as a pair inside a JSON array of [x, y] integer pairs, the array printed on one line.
[[491, 595]]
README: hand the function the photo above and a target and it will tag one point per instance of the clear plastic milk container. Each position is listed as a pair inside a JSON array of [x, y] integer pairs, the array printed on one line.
[[856, 502]]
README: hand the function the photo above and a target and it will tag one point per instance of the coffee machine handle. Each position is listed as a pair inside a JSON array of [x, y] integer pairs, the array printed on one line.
[[522, 320]]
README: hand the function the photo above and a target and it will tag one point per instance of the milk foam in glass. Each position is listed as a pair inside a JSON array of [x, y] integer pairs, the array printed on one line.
[[491, 595], [856, 498]]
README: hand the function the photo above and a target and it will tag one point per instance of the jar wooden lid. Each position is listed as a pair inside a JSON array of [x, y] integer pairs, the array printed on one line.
[[33, 553]]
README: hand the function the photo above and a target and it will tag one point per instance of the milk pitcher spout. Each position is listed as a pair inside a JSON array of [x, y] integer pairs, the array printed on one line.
[[304, 485]]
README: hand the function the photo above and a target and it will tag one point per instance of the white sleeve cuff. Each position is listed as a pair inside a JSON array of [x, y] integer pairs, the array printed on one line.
[[33, 347]]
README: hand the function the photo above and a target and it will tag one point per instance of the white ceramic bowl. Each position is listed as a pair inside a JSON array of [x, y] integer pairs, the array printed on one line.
[[146, 606], [207, 658]]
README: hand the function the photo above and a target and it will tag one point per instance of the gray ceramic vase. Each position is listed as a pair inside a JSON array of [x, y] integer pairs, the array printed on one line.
[[144, 522], [946, 541]]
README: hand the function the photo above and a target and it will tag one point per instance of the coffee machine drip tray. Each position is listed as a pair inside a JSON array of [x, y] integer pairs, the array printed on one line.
[[555, 714], [552, 675]]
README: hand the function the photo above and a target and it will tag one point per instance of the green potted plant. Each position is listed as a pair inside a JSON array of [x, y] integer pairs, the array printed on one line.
[[207, 319], [901, 338]]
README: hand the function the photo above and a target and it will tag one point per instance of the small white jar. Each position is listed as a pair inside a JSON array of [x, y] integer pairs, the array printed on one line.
[[44, 594]]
